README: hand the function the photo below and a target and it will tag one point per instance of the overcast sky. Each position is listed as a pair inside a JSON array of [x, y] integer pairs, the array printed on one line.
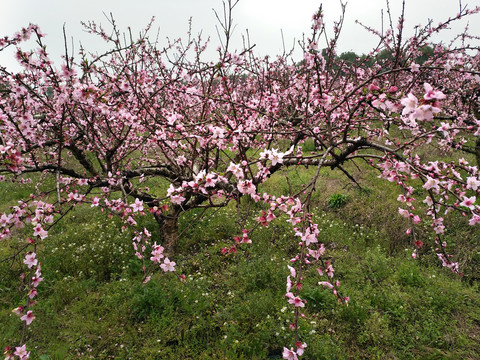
[[264, 20]]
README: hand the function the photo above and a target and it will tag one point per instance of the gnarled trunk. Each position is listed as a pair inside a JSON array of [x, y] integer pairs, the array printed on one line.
[[168, 225], [169, 231]]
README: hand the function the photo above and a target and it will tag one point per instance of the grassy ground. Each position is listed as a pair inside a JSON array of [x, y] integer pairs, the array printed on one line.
[[92, 303]]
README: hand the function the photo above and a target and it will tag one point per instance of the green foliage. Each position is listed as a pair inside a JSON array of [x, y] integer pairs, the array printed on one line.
[[426, 53], [336, 201], [319, 299], [384, 56], [349, 57]]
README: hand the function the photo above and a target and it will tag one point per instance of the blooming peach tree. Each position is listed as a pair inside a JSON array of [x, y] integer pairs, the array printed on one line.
[[99, 126]]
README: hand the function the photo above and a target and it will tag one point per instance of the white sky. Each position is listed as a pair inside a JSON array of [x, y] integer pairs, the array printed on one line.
[[264, 20]]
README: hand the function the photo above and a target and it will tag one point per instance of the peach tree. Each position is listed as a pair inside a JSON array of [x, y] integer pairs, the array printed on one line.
[[95, 129]]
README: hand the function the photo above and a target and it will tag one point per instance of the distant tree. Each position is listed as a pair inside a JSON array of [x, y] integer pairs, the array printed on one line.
[[385, 56], [349, 57], [427, 52]]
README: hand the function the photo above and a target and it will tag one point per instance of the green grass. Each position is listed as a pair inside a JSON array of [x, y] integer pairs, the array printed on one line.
[[93, 304]]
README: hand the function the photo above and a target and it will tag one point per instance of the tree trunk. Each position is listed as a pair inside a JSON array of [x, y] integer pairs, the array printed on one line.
[[168, 225], [169, 231]]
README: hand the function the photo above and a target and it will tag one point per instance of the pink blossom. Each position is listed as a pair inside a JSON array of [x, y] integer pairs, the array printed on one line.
[[276, 157], [48, 219], [18, 310], [431, 184], [403, 212], [28, 317], [326, 284], [438, 226], [246, 187], [415, 67], [469, 202], [30, 260], [38, 231], [32, 293], [185, 122], [289, 354], [217, 132], [36, 280], [270, 216], [236, 170], [300, 348], [75, 196], [245, 238], [262, 219], [82, 181], [317, 253], [157, 253], [444, 127], [168, 265], [137, 206], [210, 180], [177, 199], [181, 160], [5, 220], [8, 351], [295, 300], [294, 220], [431, 94], [409, 103], [474, 220], [309, 237], [21, 352], [198, 177], [473, 183], [289, 284], [428, 200], [131, 221], [329, 271], [425, 112], [293, 272]]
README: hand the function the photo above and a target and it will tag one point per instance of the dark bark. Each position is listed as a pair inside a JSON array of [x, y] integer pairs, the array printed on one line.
[[168, 226]]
